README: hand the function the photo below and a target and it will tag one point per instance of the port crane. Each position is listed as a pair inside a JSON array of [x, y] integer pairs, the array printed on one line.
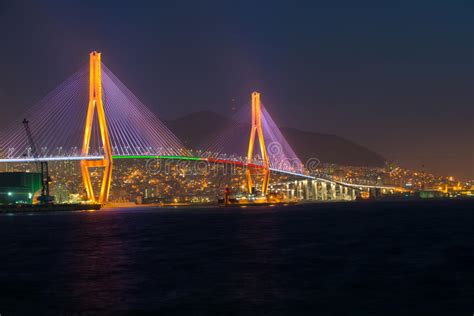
[[42, 166]]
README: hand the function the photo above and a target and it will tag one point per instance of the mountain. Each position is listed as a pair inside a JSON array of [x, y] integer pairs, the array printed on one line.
[[196, 128]]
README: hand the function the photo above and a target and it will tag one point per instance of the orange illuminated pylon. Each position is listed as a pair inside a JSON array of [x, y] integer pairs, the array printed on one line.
[[95, 103], [257, 128]]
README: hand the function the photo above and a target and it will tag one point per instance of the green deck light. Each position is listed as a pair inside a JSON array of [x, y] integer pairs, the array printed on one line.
[[155, 157]]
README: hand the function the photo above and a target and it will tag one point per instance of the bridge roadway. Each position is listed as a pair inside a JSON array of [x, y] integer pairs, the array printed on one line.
[[323, 183]]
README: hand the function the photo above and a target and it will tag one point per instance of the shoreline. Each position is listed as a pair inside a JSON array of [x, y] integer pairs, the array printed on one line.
[[25, 209]]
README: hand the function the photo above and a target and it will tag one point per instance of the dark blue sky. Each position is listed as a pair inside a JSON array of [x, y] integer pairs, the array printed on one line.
[[396, 77]]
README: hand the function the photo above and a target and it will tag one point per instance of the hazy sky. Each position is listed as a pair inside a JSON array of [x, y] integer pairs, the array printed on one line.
[[395, 76]]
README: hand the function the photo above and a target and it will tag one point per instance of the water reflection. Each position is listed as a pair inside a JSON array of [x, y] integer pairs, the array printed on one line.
[[96, 262]]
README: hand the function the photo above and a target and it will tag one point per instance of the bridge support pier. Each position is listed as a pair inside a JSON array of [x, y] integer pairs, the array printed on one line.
[[299, 190], [333, 191], [324, 191], [314, 189], [307, 190], [320, 190], [374, 192], [346, 194]]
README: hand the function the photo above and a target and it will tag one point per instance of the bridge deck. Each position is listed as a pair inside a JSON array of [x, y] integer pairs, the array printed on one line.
[[213, 160]]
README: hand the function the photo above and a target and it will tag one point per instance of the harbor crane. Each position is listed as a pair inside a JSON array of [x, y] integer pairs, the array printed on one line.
[[42, 166]]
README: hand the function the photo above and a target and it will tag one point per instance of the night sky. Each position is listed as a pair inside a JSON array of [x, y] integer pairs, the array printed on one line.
[[395, 76]]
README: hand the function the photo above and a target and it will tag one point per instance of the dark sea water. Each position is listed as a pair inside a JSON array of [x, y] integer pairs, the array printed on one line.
[[410, 258]]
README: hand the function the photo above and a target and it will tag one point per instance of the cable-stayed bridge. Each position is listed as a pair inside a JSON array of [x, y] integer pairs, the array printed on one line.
[[92, 117]]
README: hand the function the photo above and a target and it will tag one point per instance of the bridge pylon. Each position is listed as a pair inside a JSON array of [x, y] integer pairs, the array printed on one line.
[[96, 105], [256, 130]]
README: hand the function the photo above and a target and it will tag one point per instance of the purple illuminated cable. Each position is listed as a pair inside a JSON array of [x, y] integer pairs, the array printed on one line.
[[133, 140], [134, 114], [280, 153], [62, 122], [152, 133], [115, 120], [46, 116]]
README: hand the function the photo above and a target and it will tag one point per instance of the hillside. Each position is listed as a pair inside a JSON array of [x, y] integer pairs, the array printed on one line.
[[196, 128]]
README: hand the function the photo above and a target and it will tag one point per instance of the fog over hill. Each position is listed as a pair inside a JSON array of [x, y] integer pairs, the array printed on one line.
[[200, 129]]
